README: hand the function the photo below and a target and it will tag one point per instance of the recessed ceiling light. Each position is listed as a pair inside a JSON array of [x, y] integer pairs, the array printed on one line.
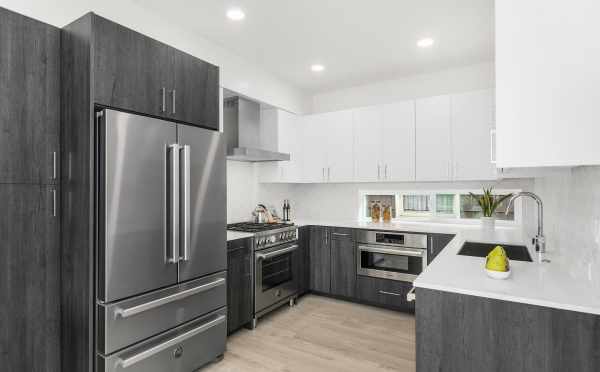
[[236, 14], [425, 43], [317, 68]]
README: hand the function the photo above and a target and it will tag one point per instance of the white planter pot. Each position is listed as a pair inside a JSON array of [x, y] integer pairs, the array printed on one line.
[[488, 223]]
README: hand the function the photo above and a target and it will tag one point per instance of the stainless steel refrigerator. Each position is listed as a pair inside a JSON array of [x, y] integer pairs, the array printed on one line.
[[161, 256]]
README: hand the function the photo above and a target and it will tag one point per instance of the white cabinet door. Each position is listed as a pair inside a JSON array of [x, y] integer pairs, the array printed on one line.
[[433, 161], [338, 130], [368, 144], [314, 155], [547, 75], [398, 139], [290, 141], [472, 123]]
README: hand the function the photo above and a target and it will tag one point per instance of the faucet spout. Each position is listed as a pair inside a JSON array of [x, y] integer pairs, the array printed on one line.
[[539, 240]]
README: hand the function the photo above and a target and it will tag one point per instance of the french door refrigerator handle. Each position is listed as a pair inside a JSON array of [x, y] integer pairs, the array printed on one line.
[[128, 362], [173, 205], [185, 203]]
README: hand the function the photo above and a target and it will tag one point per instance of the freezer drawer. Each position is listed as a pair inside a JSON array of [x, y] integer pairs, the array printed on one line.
[[124, 323], [183, 349]]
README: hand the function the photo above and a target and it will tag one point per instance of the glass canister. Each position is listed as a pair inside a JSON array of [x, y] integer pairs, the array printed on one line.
[[376, 211], [387, 213]]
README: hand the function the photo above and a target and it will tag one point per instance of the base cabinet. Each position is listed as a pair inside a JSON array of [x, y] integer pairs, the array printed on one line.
[[343, 263], [320, 259], [304, 259], [239, 283], [464, 333], [436, 243], [384, 292]]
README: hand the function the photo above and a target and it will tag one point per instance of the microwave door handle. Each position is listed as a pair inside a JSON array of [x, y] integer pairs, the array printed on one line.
[[185, 203], [265, 256], [130, 361], [397, 252]]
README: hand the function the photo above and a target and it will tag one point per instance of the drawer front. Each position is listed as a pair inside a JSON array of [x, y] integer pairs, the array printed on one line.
[[341, 233], [183, 349], [126, 322], [389, 293]]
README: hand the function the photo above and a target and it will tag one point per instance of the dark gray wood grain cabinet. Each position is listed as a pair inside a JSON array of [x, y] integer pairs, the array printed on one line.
[[437, 242], [304, 261], [320, 259], [136, 73], [30, 284], [239, 283], [343, 262], [29, 100], [464, 333], [385, 292]]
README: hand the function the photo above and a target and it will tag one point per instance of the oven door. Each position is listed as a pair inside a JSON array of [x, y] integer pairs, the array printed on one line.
[[276, 276], [395, 263]]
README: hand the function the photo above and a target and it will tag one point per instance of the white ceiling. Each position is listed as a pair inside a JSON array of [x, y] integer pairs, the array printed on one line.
[[359, 41]]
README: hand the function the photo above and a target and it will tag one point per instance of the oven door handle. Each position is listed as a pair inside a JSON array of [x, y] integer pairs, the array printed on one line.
[[396, 252], [266, 256]]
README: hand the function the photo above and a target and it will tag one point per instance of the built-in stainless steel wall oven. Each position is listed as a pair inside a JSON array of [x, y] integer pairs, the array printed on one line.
[[391, 255]]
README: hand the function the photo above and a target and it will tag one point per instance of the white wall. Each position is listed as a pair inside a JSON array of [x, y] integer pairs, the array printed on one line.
[[242, 190], [572, 217], [237, 74], [474, 77]]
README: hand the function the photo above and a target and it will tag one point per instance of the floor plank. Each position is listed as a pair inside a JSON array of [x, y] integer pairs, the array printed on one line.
[[323, 334]]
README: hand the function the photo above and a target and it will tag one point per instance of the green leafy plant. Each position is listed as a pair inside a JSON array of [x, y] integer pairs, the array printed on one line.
[[488, 201]]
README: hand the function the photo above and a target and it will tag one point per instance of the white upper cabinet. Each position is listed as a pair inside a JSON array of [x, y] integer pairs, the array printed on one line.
[[398, 141], [314, 149], [547, 75], [339, 134], [433, 161], [472, 123], [368, 127], [281, 131]]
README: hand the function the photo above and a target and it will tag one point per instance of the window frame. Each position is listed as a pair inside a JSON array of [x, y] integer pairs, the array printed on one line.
[[433, 215]]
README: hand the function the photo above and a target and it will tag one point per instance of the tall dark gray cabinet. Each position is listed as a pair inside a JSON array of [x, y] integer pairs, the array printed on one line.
[[29, 192], [106, 66]]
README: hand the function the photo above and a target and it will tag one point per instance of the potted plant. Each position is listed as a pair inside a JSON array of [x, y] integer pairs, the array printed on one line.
[[488, 203]]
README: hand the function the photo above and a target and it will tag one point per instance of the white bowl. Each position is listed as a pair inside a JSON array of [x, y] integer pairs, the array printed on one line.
[[497, 274]]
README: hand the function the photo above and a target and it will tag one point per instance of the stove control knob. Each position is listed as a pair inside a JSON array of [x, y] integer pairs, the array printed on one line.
[[273, 239]]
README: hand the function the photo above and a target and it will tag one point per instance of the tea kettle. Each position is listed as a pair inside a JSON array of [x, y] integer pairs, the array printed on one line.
[[261, 214]]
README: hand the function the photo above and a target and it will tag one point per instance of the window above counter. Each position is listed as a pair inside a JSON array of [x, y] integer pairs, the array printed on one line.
[[444, 206]]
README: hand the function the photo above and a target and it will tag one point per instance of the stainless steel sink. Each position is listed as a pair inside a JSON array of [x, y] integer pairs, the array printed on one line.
[[514, 252]]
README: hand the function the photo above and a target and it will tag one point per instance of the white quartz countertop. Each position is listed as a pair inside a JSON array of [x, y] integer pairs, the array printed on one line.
[[235, 235], [563, 283]]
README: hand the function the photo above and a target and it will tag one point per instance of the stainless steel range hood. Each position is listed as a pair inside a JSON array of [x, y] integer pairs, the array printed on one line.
[[241, 125]]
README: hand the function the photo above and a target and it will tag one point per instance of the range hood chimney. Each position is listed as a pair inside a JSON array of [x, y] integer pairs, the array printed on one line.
[[241, 125]]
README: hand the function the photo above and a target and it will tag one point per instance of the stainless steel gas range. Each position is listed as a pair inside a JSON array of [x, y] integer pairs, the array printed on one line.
[[276, 265]]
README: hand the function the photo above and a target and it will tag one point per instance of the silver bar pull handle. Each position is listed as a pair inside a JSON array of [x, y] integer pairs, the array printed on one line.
[[128, 362], [378, 171], [492, 146], [413, 252], [131, 311], [389, 293], [163, 104], [264, 256], [54, 165], [184, 234], [173, 204], [53, 191], [339, 234], [174, 93], [328, 173]]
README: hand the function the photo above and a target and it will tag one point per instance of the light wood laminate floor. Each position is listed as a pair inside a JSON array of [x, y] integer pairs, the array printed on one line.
[[323, 334]]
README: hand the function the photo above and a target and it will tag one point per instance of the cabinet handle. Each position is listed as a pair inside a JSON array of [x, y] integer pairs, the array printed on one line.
[[163, 93], [378, 171], [492, 142], [53, 202], [53, 165], [339, 234], [174, 94], [328, 174], [385, 172], [323, 169], [389, 293]]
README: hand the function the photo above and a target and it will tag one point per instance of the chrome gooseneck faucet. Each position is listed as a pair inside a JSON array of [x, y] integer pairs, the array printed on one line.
[[538, 241]]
